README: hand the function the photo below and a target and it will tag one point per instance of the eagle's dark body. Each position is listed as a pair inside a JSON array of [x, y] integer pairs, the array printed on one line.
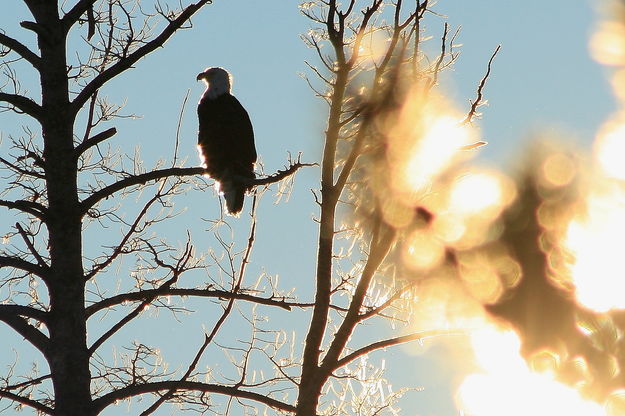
[[226, 143]]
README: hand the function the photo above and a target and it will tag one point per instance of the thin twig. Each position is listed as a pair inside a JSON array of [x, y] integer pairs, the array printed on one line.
[[480, 88]]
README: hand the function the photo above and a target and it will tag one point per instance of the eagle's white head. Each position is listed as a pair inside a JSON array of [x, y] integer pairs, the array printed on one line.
[[217, 80]]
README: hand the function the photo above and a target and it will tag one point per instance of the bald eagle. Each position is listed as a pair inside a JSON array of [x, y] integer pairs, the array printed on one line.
[[225, 139]]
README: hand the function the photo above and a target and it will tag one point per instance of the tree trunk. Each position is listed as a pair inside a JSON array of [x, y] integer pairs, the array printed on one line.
[[67, 354]]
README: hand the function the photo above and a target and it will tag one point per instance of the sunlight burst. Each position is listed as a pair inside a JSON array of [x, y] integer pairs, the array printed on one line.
[[610, 148], [435, 151], [507, 386], [596, 240]]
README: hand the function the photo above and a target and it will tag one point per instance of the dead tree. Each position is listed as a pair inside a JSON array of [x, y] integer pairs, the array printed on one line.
[[59, 177]]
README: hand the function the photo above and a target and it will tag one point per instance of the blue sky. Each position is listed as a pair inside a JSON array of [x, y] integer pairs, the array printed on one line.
[[543, 79]]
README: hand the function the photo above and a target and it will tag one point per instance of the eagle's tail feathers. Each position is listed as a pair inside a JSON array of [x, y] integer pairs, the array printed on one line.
[[234, 201], [234, 194]]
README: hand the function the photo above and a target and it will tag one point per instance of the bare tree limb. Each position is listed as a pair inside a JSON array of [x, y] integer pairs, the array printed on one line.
[[80, 8], [132, 180], [20, 170], [125, 63], [29, 207], [22, 327], [177, 271], [93, 141], [27, 383], [18, 263], [25, 311], [19, 48], [209, 293], [23, 104], [154, 175], [381, 241], [135, 390], [31, 247], [26, 401], [418, 336], [118, 250]]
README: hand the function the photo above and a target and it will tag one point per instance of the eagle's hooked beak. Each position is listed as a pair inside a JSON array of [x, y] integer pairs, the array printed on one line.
[[200, 76]]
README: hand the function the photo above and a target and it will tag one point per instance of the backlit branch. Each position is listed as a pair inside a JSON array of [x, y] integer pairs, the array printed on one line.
[[207, 293], [154, 175], [418, 336], [133, 180], [136, 390], [120, 247], [31, 246], [381, 241], [478, 100], [80, 8], [208, 338], [177, 271]]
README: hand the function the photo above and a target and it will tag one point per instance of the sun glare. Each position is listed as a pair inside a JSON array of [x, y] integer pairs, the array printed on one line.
[[596, 240], [474, 193], [610, 148], [507, 386], [607, 45], [423, 141], [436, 150]]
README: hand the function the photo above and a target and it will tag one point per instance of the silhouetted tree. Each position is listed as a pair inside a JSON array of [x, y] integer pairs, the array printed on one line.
[[62, 182]]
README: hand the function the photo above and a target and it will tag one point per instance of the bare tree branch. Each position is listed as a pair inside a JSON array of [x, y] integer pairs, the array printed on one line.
[[18, 263], [226, 312], [19, 48], [25, 311], [381, 241], [80, 8], [177, 271], [33, 208], [135, 390], [93, 141], [20, 170], [478, 100], [154, 175], [208, 293], [22, 327], [23, 104], [132, 180], [125, 63], [418, 336], [31, 247], [26, 401]]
